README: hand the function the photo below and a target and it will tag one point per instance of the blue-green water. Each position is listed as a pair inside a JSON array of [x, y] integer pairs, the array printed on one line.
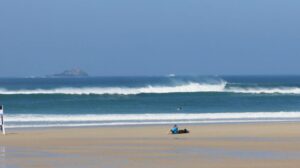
[[46, 102]]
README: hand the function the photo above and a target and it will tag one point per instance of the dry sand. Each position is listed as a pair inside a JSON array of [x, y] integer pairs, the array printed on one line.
[[274, 145]]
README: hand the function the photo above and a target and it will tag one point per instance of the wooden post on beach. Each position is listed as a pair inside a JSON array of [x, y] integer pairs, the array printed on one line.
[[2, 119]]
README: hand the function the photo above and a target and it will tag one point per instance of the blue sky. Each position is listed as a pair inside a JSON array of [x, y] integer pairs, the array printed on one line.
[[143, 37]]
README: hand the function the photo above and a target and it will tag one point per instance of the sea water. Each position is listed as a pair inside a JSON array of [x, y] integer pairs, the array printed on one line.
[[95, 101]]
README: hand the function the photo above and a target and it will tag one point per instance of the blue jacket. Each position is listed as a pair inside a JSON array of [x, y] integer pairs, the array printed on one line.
[[174, 130]]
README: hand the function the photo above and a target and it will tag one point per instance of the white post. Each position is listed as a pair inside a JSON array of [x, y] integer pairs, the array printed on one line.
[[2, 119]]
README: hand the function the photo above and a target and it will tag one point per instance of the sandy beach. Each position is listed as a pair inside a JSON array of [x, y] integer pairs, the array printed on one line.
[[231, 145]]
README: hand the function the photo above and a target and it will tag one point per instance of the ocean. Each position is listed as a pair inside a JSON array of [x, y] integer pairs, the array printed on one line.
[[106, 101]]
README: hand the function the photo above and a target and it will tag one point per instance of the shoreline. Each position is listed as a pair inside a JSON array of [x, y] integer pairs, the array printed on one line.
[[214, 145], [155, 125]]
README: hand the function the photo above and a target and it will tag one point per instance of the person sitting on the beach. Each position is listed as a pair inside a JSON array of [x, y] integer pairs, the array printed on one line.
[[184, 131], [174, 130]]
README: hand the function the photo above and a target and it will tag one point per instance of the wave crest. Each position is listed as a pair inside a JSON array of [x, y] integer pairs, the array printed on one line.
[[185, 88], [260, 90], [191, 87]]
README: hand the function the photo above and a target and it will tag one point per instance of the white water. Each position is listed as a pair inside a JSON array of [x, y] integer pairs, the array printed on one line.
[[38, 120], [191, 87], [143, 123], [186, 88], [261, 90]]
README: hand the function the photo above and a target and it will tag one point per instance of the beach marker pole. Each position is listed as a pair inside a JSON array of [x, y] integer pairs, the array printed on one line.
[[2, 119]]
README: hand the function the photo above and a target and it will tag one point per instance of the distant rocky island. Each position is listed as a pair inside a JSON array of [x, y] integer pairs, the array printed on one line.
[[70, 73]]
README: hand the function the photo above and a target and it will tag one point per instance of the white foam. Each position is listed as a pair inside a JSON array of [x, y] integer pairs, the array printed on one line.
[[59, 120], [189, 87], [261, 90], [148, 117], [145, 123]]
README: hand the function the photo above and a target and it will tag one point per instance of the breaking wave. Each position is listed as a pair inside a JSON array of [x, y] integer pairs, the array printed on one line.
[[261, 90], [185, 88], [191, 87]]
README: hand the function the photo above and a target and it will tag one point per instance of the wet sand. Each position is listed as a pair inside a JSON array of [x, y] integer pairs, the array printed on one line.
[[275, 145]]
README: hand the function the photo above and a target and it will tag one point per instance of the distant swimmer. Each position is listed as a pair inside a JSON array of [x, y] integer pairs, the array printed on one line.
[[179, 108]]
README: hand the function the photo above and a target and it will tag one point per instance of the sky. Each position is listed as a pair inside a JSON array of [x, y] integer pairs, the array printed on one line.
[[149, 37]]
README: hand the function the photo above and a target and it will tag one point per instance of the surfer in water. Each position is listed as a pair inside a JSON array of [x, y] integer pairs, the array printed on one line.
[[179, 108]]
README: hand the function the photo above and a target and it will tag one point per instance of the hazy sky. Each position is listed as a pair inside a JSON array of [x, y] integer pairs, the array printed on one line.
[[150, 37]]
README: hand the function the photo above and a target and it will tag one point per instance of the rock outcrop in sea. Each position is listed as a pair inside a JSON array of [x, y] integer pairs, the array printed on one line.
[[70, 73]]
